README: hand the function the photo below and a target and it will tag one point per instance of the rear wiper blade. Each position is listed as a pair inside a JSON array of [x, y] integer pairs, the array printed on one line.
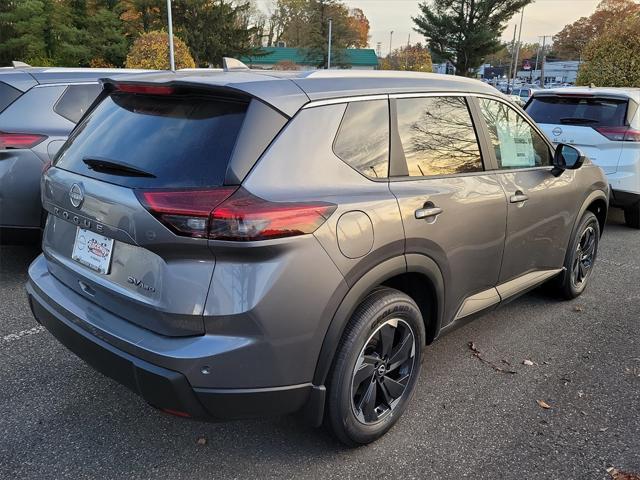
[[578, 120], [115, 168]]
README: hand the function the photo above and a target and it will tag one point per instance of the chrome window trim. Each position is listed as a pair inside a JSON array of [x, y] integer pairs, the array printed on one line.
[[337, 101]]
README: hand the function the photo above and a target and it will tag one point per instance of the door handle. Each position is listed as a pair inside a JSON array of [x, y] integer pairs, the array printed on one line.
[[518, 197], [422, 213]]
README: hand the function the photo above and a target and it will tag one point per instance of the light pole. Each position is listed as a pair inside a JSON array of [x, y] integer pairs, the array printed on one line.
[[172, 62], [329, 52], [517, 52], [390, 43]]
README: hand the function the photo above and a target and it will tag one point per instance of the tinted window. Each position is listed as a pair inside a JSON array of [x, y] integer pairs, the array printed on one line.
[[8, 95], [517, 144], [183, 141], [438, 137], [578, 111], [363, 138], [75, 100]]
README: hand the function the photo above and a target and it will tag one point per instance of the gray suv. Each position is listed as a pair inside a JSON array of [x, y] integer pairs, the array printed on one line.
[[39, 106], [236, 244]]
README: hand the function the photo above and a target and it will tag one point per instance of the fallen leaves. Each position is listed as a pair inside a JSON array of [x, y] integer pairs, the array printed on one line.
[[620, 475], [528, 363], [478, 355], [578, 308], [543, 404], [201, 441]]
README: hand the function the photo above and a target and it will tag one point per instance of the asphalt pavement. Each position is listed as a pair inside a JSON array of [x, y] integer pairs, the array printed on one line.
[[468, 419]]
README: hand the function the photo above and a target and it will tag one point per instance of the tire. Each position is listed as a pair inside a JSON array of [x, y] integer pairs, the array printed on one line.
[[632, 216], [363, 407], [580, 257]]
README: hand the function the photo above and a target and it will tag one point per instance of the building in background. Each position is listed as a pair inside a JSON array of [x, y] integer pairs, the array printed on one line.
[[554, 72], [280, 57]]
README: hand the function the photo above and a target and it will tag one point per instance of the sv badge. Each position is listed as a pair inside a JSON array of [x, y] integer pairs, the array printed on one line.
[[140, 284]]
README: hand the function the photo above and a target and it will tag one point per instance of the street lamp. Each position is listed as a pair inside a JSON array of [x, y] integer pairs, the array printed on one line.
[[329, 52], [172, 62], [390, 43]]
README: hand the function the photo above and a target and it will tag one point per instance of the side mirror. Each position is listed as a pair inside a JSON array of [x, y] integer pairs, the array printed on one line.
[[567, 157]]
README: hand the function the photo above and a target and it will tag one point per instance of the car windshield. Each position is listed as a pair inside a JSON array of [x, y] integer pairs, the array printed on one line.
[[563, 110]]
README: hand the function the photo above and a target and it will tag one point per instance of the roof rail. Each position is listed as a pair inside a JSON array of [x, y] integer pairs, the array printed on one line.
[[232, 64], [17, 64]]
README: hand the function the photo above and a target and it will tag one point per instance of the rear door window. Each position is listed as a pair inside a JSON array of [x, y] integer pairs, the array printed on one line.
[[438, 136], [588, 111], [516, 143], [8, 95], [75, 101], [168, 141], [363, 138]]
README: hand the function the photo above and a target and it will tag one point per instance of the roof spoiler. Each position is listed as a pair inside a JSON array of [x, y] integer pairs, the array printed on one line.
[[17, 64], [233, 65]]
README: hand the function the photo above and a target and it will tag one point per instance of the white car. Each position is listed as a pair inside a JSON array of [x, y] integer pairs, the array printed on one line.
[[605, 124]]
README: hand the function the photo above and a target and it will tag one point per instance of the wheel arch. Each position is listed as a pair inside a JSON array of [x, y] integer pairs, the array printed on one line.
[[399, 272]]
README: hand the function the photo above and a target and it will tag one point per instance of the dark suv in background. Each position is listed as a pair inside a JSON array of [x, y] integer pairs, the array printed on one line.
[[233, 244], [38, 109]]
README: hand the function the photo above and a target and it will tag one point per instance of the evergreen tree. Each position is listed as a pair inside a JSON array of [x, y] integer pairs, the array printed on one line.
[[465, 31], [22, 25]]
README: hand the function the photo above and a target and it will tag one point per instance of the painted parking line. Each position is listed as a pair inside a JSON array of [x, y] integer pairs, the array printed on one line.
[[12, 337]]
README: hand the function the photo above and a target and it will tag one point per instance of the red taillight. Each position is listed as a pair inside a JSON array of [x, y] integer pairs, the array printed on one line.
[[229, 213], [19, 140], [144, 89], [184, 211], [619, 134], [245, 217]]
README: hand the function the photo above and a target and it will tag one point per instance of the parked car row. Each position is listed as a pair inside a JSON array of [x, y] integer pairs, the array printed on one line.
[[230, 244], [38, 109], [605, 124]]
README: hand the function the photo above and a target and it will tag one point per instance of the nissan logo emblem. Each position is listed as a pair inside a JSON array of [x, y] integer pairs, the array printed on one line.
[[557, 131], [76, 195]]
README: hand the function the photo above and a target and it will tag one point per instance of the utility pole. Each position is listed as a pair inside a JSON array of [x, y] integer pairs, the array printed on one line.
[[537, 58], [515, 65], [390, 43], [513, 51], [544, 58], [172, 62], [406, 64], [329, 52]]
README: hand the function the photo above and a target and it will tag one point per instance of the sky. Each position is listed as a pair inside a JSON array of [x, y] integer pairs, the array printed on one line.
[[543, 17]]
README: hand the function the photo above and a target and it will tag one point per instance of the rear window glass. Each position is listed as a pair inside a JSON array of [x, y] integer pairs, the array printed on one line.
[[175, 141], [578, 111], [75, 100], [8, 95]]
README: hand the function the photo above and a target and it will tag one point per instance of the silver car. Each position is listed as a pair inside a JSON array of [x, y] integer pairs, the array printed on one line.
[[38, 109], [235, 244]]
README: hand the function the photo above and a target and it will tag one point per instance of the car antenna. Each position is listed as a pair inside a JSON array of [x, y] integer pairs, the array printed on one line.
[[232, 64], [18, 64]]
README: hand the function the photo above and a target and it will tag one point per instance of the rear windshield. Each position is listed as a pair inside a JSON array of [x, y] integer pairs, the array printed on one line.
[[8, 95], [579, 111], [171, 141]]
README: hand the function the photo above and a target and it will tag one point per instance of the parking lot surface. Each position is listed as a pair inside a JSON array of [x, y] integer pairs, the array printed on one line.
[[61, 419]]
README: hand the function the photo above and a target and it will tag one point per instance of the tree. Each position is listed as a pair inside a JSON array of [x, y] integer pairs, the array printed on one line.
[[151, 50], [613, 58], [22, 24], [359, 23], [465, 31], [415, 58], [570, 42], [214, 29]]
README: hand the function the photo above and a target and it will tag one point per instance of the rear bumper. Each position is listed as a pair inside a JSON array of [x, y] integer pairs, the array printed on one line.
[[160, 386]]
